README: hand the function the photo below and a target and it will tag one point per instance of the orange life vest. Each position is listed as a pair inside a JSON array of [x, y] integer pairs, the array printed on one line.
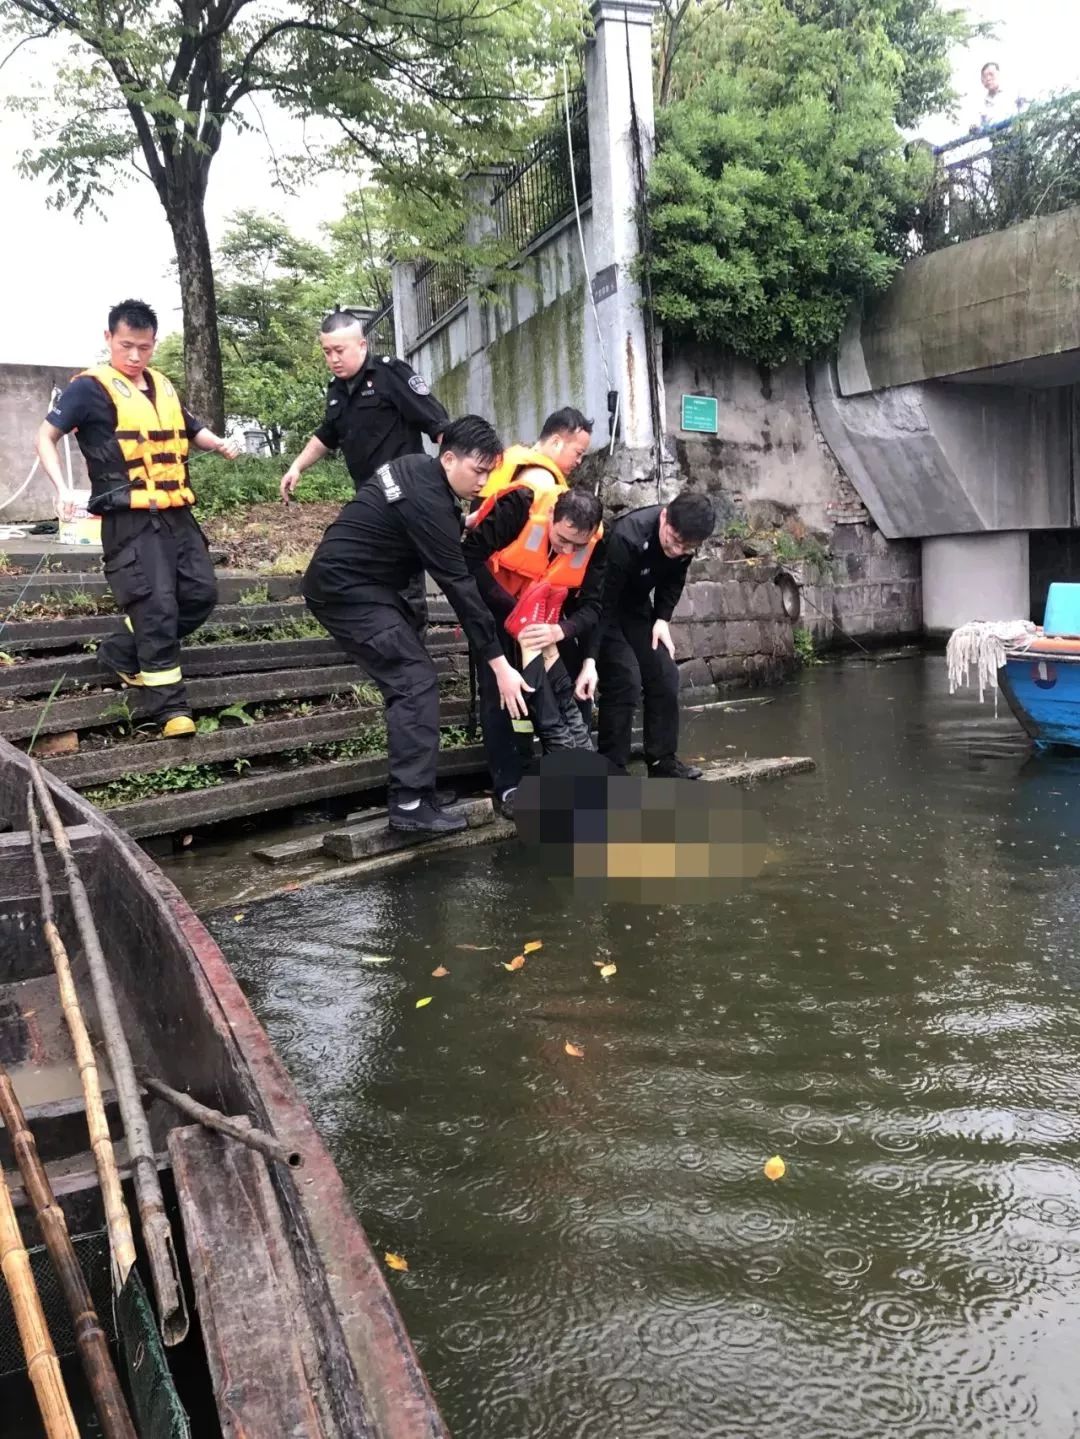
[[152, 436], [514, 460], [528, 558]]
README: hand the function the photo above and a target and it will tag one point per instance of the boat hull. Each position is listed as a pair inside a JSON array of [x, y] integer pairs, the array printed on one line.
[[189, 1020], [1043, 692]]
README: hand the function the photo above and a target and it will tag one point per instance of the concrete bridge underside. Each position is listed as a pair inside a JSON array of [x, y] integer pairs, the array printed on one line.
[[954, 407]]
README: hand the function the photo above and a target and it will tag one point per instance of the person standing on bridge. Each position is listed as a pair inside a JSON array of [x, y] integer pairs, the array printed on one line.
[[135, 435], [377, 409]]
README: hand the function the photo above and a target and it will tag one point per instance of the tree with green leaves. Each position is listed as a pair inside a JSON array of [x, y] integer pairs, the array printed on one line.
[[783, 192], [273, 290], [153, 88]]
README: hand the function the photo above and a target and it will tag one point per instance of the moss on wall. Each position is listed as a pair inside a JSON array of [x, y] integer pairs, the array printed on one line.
[[452, 389], [540, 362]]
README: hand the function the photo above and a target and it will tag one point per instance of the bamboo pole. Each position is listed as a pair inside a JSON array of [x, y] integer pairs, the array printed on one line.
[[121, 1243], [42, 1365], [90, 1338], [256, 1139], [156, 1230]]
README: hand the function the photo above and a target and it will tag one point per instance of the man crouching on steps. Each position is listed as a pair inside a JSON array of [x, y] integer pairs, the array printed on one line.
[[406, 519], [134, 435]]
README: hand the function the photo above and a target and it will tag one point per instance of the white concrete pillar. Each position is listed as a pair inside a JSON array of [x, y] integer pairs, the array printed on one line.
[[403, 290], [975, 577], [618, 61]]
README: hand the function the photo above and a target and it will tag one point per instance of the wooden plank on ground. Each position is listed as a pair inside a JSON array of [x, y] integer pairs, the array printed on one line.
[[278, 789], [255, 1329], [748, 771], [71, 630], [32, 677], [90, 711], [373, 836]]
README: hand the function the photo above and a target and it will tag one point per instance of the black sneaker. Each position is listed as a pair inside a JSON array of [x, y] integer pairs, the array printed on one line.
[[504, 804], [427, 819], [674, 769]]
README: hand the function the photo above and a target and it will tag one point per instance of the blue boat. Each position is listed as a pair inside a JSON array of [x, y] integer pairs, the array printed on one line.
[[1041, 678]]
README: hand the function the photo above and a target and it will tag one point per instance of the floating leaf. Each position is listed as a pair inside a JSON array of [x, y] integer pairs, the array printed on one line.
[[599, 963], [607, 970], [421, 1002], [187, 840], [575, 1051], [440, 973], [395, 1261], [376, 958], [516, 963], [238, 917], [476, 948], [532, 945], [775, 1168]]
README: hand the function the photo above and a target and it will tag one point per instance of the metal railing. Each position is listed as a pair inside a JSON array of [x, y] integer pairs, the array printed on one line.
[[1026, 166], [439, 286], [538, 191], [379, 329]]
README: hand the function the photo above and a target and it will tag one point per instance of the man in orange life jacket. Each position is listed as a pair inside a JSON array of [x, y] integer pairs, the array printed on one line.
[[522, 538], [135, 435]]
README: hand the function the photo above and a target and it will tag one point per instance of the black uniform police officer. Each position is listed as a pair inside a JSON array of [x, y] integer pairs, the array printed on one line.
[[134, 435], [377, 409], [648, 554], [405, 521]]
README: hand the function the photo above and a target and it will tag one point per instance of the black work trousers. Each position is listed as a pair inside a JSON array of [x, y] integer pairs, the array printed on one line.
[[555, 719], [379, 634], [631, 672], [158, 566]]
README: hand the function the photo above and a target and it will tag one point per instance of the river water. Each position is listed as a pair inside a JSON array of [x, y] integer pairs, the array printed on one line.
[[594, 1250]]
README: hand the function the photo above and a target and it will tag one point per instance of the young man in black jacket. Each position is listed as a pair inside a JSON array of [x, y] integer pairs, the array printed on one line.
[[404, 520], [648, 554]]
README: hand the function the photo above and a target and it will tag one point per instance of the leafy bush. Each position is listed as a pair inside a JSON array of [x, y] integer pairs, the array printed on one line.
[[221, 485]]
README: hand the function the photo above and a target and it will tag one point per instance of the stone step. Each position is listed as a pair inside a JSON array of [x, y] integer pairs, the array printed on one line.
[[48, 556], [232, 586], [279, 789], [374, 836], [37, 677], [215, 693], [234, 741]]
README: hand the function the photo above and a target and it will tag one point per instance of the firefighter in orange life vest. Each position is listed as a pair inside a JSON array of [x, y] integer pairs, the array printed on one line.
[[135, 435], [544, 542], [563, 444]]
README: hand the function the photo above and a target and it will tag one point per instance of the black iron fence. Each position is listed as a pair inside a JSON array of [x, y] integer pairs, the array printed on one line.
[[1025, 166], [533, 195], [440, 285], [539, 190], [380, 329]]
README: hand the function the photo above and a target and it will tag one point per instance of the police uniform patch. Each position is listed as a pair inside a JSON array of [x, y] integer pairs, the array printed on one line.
[[390, 487], [419, 385], [122, 388]]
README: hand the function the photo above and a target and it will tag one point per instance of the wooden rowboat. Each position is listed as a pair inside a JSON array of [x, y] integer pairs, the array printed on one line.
[[294, 1331]]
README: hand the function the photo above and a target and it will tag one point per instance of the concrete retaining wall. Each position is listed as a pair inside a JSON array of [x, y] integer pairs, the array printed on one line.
[[25, 391], [730, 629]]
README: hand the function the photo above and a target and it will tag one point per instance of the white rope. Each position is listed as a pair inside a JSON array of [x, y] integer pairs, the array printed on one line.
[[981, 645]]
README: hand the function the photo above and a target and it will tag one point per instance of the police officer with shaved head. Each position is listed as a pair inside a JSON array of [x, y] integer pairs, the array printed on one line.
[[377, 409]]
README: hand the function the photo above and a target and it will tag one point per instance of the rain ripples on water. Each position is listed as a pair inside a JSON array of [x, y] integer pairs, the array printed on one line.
[[594, 1250]]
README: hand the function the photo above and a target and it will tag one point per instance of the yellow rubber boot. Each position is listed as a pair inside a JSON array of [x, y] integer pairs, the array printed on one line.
[[177, 726]]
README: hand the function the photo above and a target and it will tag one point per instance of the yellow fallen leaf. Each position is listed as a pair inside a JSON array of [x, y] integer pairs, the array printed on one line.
[[607, 970], [575, 1051], [238, 917], [440, 973], [395, 1261], [474, 947], [516, 963], [421, 1002], [533, 944], [599, 963], [775, 1168]]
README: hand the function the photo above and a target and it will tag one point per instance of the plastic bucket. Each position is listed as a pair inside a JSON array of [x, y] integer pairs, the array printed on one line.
[[77, 525], [1062, 610]]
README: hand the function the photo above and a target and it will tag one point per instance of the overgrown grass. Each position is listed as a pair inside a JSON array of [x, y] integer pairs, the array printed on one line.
[[223, 485], [805, 652]]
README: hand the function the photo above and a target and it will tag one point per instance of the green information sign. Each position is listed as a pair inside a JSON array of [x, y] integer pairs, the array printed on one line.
[[700, 413]]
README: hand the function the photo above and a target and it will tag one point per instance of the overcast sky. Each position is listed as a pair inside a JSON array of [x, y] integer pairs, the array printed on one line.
[[63, 274]]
